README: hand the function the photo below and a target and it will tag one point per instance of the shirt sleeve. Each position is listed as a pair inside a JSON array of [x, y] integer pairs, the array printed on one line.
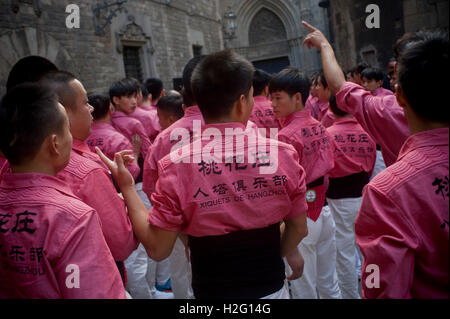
[[150, 175], [85, 268], [146, 144], [381, 117], [125, 144], [387, 241], [99, 193], [166, 212]]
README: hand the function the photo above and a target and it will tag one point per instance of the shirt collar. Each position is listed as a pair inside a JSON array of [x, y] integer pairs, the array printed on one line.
[[31, 180], [101, 125], [436, 137], [117, 114], [345, 120], [83, 149], [192, 111], [222, 127], [260, 98], [284, 121]]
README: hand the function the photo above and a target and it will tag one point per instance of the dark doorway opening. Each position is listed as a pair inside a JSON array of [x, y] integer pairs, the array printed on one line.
[[272, 65]]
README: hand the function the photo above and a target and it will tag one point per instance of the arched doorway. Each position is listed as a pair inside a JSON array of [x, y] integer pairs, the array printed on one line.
[[23, 42], [267, 29]]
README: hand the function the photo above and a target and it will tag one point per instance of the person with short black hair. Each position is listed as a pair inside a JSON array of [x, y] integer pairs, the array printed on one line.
[[354, 159], [28, 69], [402, 226], [235, 245], [123, 97], [262, 114], [45, 227], [155, 88], [148, 119], [289, 90], [170, 109], [373, 81], [86, 175], [106, 137]]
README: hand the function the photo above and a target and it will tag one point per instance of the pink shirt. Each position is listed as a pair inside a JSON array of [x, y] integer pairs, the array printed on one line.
[[381, 117], [314, 146], [212, 198], [355, 151], [262, 114], [163, 146], [44, 229], [93, 185], [4, 166], [403, 224], [382, 92], [328, 119], [110, 141], [148, 120], [130, 127], [316, 108]]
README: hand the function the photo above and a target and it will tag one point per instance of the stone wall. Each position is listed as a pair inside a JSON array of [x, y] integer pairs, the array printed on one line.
[[167, 34]]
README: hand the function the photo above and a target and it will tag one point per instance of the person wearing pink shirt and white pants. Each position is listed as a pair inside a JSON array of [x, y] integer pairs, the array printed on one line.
[[354, 158], [288, 90], [402, 227]]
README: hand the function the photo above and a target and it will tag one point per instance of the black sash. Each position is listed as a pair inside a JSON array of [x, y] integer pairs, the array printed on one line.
[[243, 264], [350, 186]]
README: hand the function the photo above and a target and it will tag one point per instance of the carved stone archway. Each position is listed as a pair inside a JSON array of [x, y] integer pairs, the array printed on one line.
[[22, 42]]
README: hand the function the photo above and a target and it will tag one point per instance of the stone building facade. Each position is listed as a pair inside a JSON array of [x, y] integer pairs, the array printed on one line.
[[354, 42], [154, 38]]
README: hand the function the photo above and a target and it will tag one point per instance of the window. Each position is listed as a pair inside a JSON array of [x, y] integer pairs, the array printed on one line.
[[132, 62], [197, 50]]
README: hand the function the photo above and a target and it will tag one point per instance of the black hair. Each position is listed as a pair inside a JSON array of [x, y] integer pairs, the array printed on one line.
[[292, 81], [101, 104], [219, 80], [313, 78], [29, 113], [420, 69], [403, 42], [334, 107], [372, 74], [154, 87], [361, 67], [261, 79], [28, 69], [186, 79], [125, 87], [60, 81], [172, 104], [322, 79], [144, 92]]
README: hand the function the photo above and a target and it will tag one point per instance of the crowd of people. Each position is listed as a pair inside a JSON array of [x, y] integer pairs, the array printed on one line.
[[245, 184]]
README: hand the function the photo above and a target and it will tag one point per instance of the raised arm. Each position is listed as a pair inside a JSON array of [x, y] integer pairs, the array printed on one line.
[[333, 72]]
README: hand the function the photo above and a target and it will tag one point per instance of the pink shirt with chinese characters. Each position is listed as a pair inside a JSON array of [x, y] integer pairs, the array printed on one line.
[[93, 185], [314, 146], [48, 236], [163, 146], [380, 116], [403, 224], [262, 114], [355, 151], [130, 127], [147, 120], [110, 141], [209, 198]]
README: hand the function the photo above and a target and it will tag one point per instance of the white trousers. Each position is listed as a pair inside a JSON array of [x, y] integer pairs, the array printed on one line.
[[319, 279], [143, 272], [344, 214], [379, 165], [181, 273]]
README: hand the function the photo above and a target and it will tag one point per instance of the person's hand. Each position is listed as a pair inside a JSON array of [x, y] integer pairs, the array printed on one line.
[[118, 169], [315, 38], [296, 262]]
